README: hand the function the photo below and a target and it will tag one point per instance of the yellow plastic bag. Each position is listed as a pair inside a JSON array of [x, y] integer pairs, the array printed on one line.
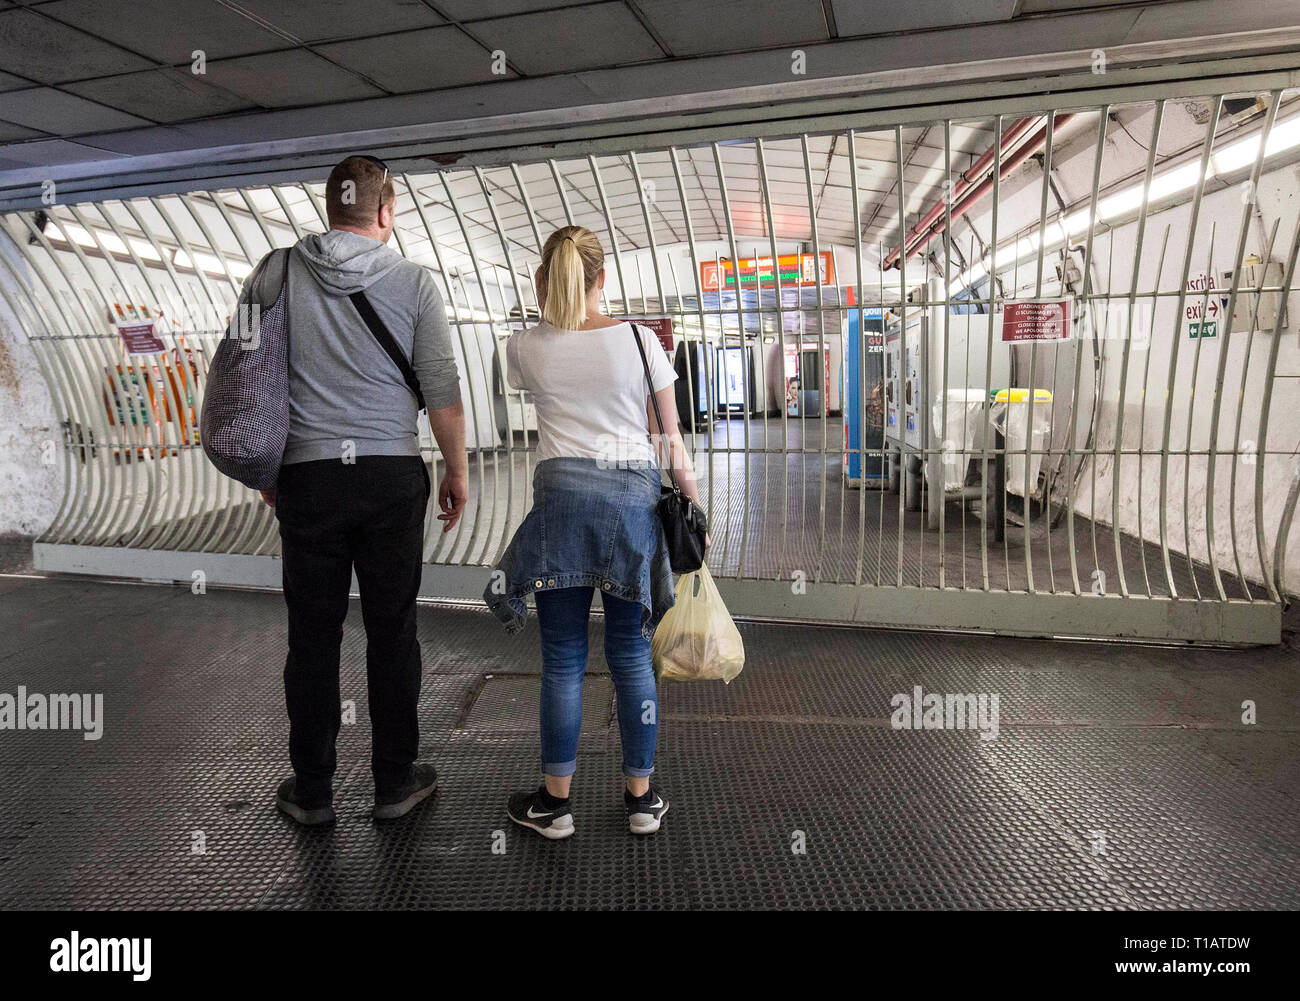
[[696, 640]]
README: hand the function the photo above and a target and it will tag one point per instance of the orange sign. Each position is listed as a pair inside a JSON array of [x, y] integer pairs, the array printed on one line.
[[756, 272]]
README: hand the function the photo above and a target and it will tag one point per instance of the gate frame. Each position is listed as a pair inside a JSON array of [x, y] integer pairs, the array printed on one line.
[[1135, 618]]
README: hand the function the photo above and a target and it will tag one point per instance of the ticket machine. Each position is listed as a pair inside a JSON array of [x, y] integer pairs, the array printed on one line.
[[936, 401]]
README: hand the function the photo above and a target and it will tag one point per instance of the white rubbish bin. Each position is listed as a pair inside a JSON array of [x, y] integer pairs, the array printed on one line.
[[965, 420], [1010, 414]]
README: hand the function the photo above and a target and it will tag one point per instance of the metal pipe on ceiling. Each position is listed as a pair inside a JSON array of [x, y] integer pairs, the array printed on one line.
[[1017, 150]]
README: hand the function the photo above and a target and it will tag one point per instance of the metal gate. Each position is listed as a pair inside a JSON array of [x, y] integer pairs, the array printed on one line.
[[1029, 372]]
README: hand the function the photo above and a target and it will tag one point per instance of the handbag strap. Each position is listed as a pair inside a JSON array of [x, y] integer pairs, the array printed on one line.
[[389, 345], [645, 367]]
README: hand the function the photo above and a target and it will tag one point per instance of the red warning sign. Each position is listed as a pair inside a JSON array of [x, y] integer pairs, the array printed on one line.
[[1036, 320], [663, 329], [141, 338]]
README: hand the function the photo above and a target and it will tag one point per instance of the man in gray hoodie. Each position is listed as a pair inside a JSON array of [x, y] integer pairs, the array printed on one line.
[[354, 488]]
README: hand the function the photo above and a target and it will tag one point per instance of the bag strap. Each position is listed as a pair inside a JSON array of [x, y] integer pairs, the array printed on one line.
[[272, 271], [645, 366], [389, 345]]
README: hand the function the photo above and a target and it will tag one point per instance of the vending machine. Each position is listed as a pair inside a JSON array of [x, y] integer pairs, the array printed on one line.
[[738, 381], [863, 393], [924, 385], [693, 362]]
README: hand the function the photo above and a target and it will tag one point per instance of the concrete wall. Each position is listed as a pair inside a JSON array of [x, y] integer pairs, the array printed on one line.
[[31, 442], [1160, 340]]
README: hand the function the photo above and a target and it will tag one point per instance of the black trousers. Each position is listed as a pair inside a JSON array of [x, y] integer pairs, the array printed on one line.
[[335, 517]]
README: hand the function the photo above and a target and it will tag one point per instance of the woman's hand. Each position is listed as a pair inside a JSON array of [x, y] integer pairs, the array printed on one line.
[[269, 497]]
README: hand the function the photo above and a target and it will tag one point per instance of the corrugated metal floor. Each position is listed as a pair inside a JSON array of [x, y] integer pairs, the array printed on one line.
[[1142, 745]]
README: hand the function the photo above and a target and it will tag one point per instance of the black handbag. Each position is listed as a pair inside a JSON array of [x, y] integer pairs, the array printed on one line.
[[685, 524]]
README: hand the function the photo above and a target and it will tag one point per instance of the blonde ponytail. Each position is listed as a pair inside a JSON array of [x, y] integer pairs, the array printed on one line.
[[571, 262]]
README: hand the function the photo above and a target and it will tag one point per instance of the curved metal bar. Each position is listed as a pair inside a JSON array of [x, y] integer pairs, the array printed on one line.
[[1241, 403], [480, 533], [77, 389], [1242, 235], [1206, 151], [216, 487], [745, 374], [111, 520], [761, 157], [1276, 581], [150, 517], [1116, 479], [190, 459], [699, 303], [501, 365]]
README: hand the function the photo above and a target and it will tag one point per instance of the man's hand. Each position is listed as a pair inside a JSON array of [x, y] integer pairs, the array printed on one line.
[[269, 497], [453, 493]]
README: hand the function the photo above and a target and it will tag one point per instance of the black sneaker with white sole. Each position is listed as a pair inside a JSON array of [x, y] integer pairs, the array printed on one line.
[[310, 811], [420, 784], [527, 809], [645, 813]]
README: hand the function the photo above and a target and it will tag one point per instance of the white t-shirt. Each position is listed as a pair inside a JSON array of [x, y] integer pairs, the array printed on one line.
[[589, 388]]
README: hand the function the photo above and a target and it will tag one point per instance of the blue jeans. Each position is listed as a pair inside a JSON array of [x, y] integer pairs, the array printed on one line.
[[562, 615]]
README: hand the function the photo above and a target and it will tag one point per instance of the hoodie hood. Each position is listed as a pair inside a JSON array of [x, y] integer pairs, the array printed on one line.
[[344, 263]]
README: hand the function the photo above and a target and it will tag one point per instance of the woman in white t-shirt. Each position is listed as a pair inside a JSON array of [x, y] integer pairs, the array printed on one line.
[[593, 524]]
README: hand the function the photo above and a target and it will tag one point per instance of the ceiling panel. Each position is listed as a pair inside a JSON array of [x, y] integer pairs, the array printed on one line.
[[1054, 6], [12, 133], [49, 52], [167, 30], [694, 27], [467, 10], [604, 34], [35, 154], [288, 79], [317, 20], [63, 114], [853, 17], [161, 95], [416, 60], [8, 82]]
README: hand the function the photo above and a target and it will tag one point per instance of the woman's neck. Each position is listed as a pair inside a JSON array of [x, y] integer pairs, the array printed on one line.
[[597, 320]]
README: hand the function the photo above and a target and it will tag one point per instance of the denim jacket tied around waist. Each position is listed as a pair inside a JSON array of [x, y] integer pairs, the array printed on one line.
[[591, 525]]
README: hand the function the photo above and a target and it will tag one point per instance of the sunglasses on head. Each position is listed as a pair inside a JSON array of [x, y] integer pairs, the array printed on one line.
[[378, 163]]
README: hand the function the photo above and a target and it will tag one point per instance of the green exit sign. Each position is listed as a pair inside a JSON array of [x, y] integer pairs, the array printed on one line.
[[1207, 328]]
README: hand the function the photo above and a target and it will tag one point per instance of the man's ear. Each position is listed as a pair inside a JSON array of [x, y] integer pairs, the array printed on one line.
[[386, 215]]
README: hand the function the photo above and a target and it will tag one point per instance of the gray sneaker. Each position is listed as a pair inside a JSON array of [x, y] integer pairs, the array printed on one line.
[[308, 811], [419, 785]]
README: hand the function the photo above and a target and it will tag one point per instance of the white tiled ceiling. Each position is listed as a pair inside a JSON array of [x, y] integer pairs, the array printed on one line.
[[274, 54], [694, 27], [165, 95], [428, 59], [166, 31], [46, 51], [287, 79], [569, 39], [59, 112], [322, 20], [854, 17]]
